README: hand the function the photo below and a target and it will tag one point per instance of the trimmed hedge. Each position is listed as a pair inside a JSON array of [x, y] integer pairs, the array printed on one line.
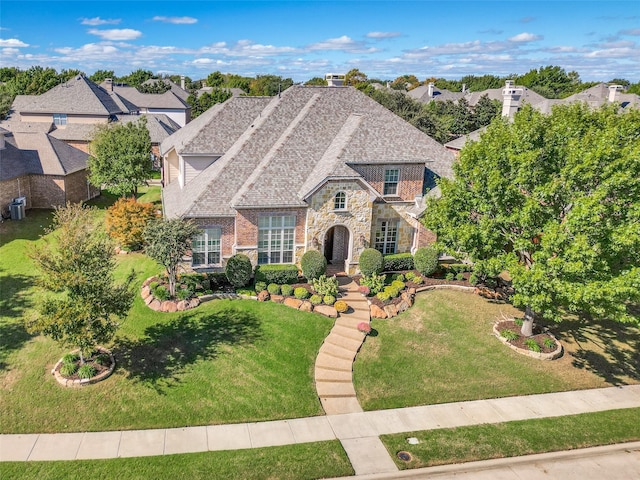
[[313, 264], [371, 262], [238, 270], [285, 273], [426, 260], [398, 261]]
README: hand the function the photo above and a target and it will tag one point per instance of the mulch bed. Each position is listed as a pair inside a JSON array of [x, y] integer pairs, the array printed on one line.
[[88, 361], [538, 335]]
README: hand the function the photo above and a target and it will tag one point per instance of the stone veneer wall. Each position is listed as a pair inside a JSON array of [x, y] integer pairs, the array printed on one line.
[[410, 180], [395, 211], [321, 216]]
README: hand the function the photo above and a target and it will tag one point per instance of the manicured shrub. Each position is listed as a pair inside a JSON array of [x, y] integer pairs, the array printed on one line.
[[277, 273], [329, 299], [324, 285], [460, 267], [418, 280], [398, 261], [238, 270], [473, 279], [450, 276], [301, 293], [286, 289], [398, 284], [341, 306], [383, 296], [392, 291], [86, 371], [374, 282], [247, 292], [313, 264], [426, 260], [161, 292], [371, 262], [364, 327], [398, 276], [126, 220], [68, 369], [410, 276], [316, 299], [273, 289], [363, 289], [460, 276], [260, 286]]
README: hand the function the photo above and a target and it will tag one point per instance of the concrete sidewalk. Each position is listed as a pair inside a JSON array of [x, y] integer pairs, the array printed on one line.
[[358, 432]]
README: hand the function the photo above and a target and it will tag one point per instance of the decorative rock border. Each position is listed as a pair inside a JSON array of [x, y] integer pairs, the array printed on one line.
[[83, 382], [302, 305], [408, 296], [178, 305], [539, 355]]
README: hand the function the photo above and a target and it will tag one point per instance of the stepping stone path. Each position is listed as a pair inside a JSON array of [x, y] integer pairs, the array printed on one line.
[[333, 369]]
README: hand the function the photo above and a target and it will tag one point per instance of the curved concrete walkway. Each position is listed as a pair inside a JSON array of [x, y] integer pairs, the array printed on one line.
[[334, 364], [359, 432]]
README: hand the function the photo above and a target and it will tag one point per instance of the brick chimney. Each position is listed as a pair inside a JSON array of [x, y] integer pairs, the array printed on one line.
[[511, 96]]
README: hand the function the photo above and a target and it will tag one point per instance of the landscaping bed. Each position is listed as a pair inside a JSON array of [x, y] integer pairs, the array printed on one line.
[[541, 344]]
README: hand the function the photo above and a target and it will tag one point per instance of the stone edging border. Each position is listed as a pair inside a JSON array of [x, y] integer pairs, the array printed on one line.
[[82, 382], [538, 355]]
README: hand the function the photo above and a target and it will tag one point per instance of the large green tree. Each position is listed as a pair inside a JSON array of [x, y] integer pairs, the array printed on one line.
[[167, 242], [555, 200], [77, 262], [202, 103], [120, 156]]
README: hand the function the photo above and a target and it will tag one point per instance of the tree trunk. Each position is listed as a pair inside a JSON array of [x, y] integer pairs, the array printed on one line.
[[81, 358], [527, 324], [171, 273]]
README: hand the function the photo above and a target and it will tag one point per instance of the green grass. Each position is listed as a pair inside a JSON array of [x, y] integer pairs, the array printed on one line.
[[510, 439], [226, 361], [442, 350], [308, 461]]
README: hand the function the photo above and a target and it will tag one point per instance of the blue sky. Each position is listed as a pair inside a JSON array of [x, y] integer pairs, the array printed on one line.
[[303, 39]]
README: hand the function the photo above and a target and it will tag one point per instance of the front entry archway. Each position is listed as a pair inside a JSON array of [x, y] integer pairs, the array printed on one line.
[[336, 245]]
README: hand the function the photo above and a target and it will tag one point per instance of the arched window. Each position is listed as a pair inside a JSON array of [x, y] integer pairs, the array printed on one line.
[[340, 201]]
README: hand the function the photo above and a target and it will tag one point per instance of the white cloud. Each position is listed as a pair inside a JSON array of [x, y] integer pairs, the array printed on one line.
[[246, 48], [90, 50], [175, 20], [10, 51], [525, 37], [94, 22], [633, 31], [562, 49], [116, 34], [382, 35], [612, 53], [13, 43], [343, 43]]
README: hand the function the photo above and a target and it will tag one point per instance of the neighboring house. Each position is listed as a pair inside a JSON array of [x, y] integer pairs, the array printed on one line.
[[43, 169], [430, 93], [234, 91], [324, 168], [72, 110], [178, 90]]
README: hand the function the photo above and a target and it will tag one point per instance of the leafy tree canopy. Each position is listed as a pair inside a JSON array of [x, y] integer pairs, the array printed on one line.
[[100, 76], [555, 200], [268, 85], [316, 81], [120, 156], [355, 77], [204, 102]]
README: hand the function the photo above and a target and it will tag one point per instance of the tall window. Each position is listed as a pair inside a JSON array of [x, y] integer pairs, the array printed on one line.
[[340, 201], [275, 239], [206, 247], [60, 118], [391, 176], [386, 237]]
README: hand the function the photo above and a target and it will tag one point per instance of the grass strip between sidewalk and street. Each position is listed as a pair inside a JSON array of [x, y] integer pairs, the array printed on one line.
[[512, 439], [307, 460]]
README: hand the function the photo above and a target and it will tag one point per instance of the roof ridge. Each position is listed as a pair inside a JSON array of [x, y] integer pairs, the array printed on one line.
[[275, 148]]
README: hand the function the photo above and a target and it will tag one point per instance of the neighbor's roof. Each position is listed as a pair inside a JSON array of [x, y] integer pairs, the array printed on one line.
[[166, 100], [175, 88], [297, 139], [421, 94], [160, 126], [39, 153], [78, 95]]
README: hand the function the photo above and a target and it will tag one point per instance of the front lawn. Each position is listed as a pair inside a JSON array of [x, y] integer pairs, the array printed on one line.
[[442, 350], [512, 439], [291, 462], [226, 361]]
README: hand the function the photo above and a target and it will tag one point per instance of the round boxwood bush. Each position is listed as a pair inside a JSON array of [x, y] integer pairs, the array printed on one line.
[[329, 299], [273, 289], [426, 260], [392, 291], [383, 296], [260, 286], [239, 270], [313, 264], [398, 284], [286, 289], [301, 293], [316, 299], [341, 306], [371, 262]]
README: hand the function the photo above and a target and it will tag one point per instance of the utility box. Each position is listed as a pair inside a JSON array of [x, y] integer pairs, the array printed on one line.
[[17, 208]]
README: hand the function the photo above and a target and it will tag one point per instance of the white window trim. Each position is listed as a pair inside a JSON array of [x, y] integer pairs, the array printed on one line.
[[277, 234], [343, 208], [397, 182], [60, 119], [206, 232]]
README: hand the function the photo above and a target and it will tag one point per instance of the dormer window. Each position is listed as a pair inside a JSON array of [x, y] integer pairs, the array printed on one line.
[[391, 177], [340, 201], [60, 118]]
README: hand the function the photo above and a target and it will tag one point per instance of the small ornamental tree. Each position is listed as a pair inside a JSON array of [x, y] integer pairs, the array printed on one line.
[[238, 270], [371, 262], [426, 260], [167, 242], [126, 220], [77, 261], [313, 264]]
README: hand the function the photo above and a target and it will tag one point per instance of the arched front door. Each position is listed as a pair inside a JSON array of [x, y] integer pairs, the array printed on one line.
[[336, 245]]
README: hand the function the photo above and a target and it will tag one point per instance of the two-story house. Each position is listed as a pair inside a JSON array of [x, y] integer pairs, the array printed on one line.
[[324, 168]]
